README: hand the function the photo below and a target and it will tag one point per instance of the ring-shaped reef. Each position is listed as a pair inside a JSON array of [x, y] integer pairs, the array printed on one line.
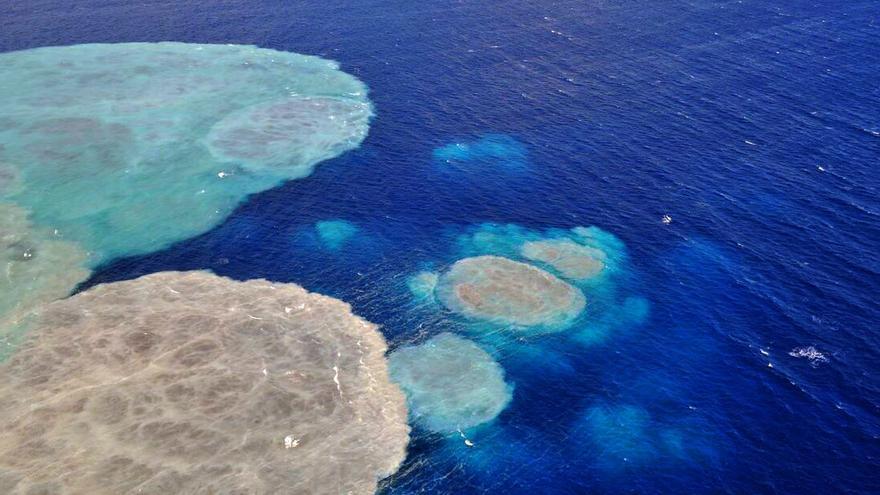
[[451, 383], [193, 383], [134, 146]]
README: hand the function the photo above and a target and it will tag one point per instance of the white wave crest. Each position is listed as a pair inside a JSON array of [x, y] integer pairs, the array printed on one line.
[[816, 358]]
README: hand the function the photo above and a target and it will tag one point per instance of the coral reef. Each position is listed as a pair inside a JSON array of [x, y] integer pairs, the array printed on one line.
[[502, 290], [193, 383], [451, 383]]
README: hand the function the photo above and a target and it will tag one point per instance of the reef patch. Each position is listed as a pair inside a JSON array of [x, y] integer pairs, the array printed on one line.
[[164, 139], [502, 290], [450, 382], [191, 383], [569, 258]]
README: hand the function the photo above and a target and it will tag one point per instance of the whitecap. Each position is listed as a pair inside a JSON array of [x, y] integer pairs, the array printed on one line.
[[811, 353]]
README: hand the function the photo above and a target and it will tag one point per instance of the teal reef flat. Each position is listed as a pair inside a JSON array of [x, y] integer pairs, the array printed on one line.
[[110, 150], [134, 146]]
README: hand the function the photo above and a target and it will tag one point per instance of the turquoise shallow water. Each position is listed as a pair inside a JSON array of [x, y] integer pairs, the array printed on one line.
[[109, 144], [729, 148], [108, 150]]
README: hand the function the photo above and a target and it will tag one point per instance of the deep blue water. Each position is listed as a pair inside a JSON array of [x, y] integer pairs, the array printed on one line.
[[754, 125]]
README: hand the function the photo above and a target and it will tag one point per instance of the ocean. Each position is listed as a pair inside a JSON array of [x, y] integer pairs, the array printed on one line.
[[730, 150]]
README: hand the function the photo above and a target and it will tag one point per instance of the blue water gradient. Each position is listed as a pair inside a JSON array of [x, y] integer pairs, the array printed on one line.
[[731, 146]]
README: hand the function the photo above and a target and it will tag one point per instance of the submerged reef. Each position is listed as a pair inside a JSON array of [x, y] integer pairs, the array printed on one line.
[[122, 149], [619, 433], [134, 146], [498, 289], [494, 147], [632, 311], [624, 436], [38, 266], [450, 382], [335, 233], [193, 383]]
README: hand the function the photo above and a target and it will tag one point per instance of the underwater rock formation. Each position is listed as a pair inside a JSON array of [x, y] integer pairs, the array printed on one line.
[[501, 290], [451, 383], [632, 311], [37, 266], [512, 282], [193, 383], [164, 139]]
